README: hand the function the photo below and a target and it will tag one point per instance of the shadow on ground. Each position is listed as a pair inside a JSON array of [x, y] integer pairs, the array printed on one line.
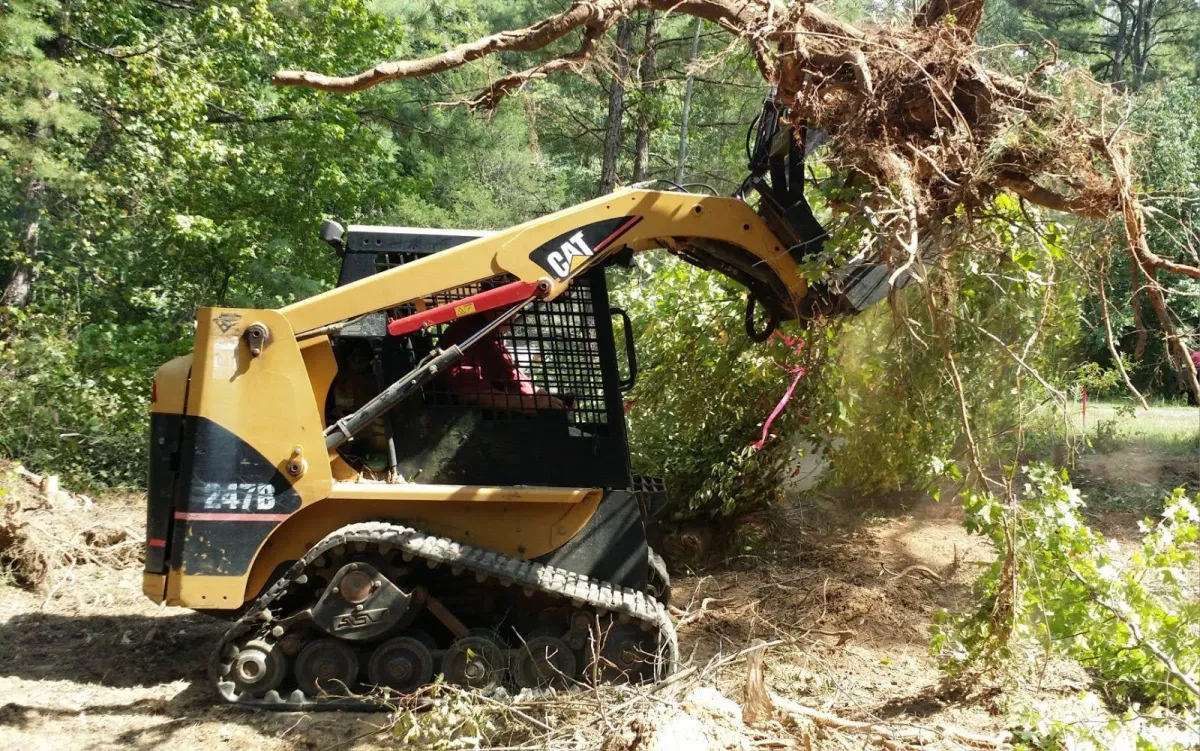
[[98, 659]]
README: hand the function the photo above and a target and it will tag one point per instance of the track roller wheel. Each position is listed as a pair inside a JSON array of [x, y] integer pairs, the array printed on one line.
[[623, 657], [403, 663], [326, 666], [544, 661], [474, 662], [258, 668]]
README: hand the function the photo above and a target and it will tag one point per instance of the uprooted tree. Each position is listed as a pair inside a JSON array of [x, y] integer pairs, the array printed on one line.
[[911, 113]]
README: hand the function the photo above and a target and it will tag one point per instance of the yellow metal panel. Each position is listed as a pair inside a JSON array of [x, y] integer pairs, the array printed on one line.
[[170, 386], [267, 401], [206, 592], [322, 367], [154, 586]]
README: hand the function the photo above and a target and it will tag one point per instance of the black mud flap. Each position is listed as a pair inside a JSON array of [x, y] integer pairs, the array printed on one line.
[[231, 498], [164, 466], [611, 546]]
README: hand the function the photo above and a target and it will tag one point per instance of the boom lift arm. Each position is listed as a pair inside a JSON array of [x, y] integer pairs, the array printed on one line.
[[718, 232]]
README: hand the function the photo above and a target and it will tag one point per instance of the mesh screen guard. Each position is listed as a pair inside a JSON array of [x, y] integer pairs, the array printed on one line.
[[554, 345]]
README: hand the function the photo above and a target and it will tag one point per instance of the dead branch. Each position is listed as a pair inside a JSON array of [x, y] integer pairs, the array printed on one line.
[[841, 636], [1025, 187], [529, 39], [918, 569], [792, 710], [756, 701]]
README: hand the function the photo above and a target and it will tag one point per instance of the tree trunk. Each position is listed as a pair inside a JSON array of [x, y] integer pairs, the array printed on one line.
[[647, 72], [616, 108], [687, 105], [17, 291], [1142, 33], [1120, 50]]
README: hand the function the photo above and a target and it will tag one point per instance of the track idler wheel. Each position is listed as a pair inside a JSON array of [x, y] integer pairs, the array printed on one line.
[[258, 668], [403, 663], [327, 666], [475, 662], [544, 661]]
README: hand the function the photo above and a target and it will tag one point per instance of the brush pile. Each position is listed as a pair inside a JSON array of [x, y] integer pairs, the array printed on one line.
[[45, 532]]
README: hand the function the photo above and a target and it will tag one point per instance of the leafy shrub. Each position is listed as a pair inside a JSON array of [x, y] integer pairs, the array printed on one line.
[[1058, 586], [76, 406], [704, 390]]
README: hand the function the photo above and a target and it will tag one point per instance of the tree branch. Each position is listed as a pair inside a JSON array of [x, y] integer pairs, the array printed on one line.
[[532, 38]]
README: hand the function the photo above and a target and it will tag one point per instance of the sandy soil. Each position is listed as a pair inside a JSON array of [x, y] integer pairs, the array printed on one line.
[[89, 663]]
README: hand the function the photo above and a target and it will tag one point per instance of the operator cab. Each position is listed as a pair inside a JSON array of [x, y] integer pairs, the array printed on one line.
[[563, 349]]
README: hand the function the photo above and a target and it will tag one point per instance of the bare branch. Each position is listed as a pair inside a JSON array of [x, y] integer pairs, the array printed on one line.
[[1112, 346], [532, 38]]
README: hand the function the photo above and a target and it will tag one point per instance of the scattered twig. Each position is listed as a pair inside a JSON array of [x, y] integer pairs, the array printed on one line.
[[917, 568], [692, 616], [890, 732], [841, 636]]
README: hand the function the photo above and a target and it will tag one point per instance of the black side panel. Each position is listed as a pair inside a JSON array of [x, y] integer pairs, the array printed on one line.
[[610, 547], [233, 497], [164, 458], [356, 266]]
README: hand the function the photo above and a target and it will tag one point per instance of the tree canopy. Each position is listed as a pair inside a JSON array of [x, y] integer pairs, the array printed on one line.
[[151, 166]]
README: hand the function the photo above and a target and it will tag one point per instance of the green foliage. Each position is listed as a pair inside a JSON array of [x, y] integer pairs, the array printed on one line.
[[899, 420], [39, 112], [1093, 726], [89, 425], [192, 182], [454, 720], [1057, 586], [704, 390], [175, 176], [1129, 44], [1168, 115]]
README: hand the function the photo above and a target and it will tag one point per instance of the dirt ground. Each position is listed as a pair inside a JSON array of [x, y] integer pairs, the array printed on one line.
[[846, 600]]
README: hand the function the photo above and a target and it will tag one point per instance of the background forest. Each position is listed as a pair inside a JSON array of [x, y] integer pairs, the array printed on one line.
[[148, 167]]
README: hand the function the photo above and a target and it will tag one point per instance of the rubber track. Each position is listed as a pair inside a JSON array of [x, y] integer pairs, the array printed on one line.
[[579, 589]]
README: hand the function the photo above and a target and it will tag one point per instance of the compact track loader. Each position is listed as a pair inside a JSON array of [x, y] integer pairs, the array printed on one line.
[[322, 474]]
